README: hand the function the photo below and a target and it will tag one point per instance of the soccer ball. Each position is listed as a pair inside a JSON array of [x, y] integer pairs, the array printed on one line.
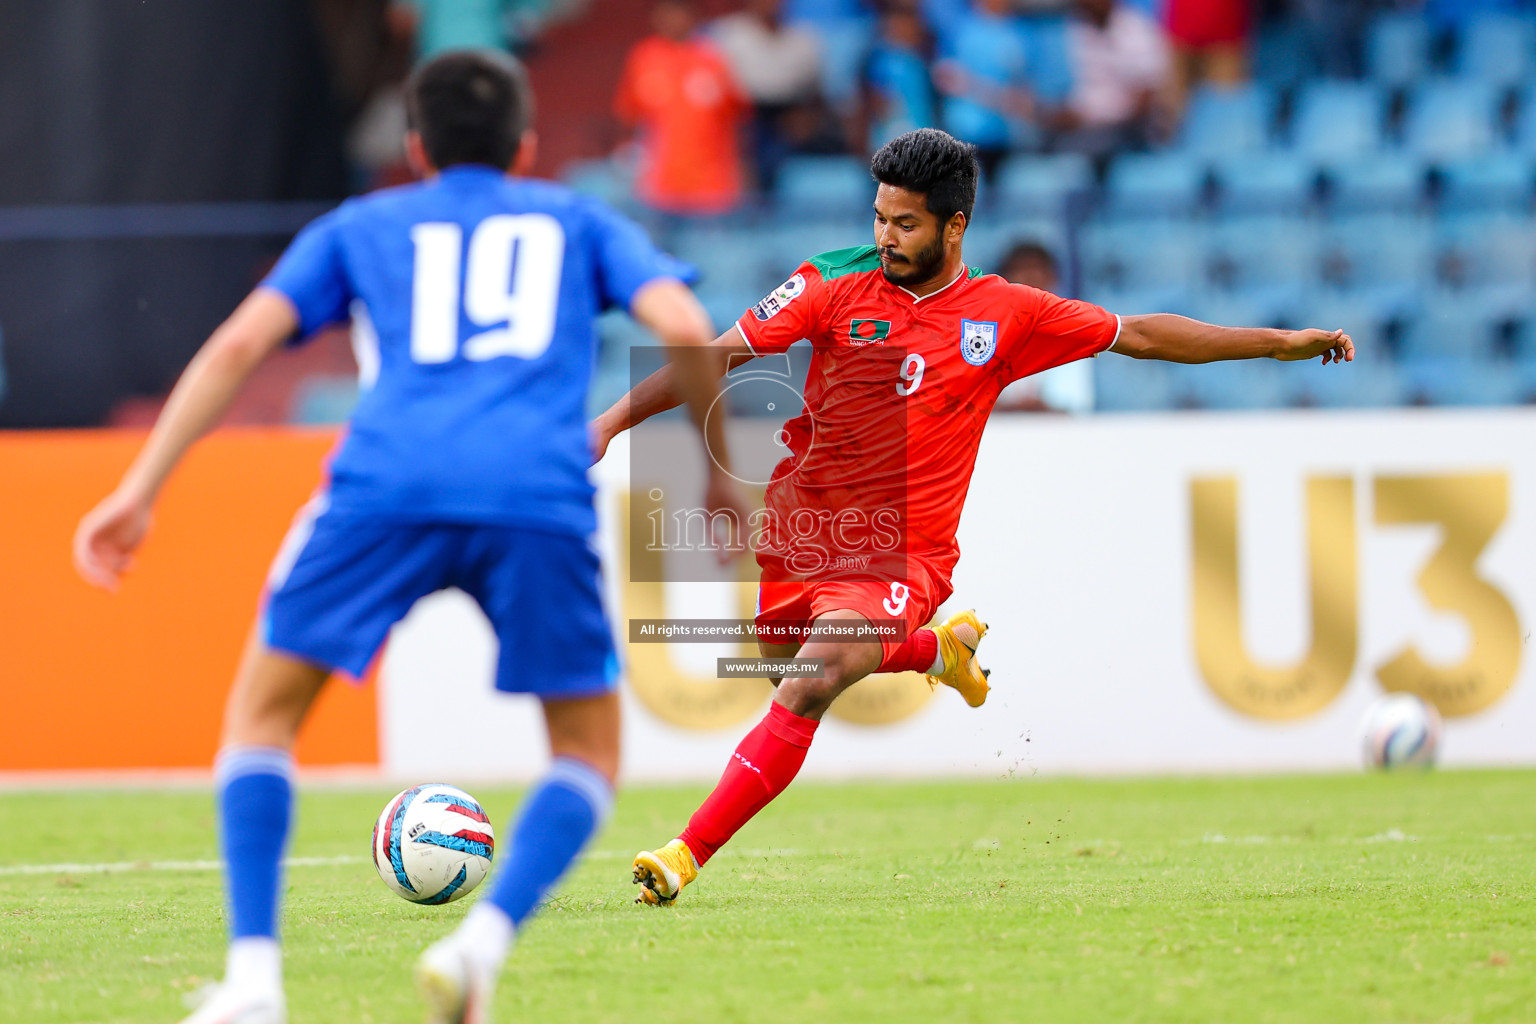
[[433, 844], [1400, 730]]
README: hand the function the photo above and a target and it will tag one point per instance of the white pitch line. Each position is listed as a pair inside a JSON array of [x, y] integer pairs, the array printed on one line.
[[124, 866], [163, 865]]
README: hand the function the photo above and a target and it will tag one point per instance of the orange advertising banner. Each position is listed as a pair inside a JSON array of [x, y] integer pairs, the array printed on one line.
[[91, 680]]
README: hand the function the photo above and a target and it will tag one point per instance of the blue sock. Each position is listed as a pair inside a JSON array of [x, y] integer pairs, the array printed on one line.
[[557, 818], [255, 794]]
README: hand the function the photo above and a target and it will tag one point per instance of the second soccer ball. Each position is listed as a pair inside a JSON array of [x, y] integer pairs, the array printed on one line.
[[1400, 730]]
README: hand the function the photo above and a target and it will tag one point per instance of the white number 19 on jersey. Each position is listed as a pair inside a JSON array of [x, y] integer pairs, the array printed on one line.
[[511, 287]]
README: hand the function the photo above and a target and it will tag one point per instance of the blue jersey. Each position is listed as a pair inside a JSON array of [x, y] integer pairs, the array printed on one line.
[[482, 291]]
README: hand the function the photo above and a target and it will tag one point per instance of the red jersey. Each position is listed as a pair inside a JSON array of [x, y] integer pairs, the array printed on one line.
[[689, 107], [898, 392]]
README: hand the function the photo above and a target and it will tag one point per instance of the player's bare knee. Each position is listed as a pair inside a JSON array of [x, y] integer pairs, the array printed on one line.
[[807, 696], [587, 729], [271, 697]]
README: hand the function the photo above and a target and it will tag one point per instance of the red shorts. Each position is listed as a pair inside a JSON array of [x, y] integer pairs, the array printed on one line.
[[911, 604]]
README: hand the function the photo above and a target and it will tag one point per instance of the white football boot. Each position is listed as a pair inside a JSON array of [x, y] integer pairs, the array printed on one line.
[[225, 1004], [457, 986]]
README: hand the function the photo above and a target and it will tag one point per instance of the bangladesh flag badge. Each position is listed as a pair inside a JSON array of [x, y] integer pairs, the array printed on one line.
[[865, 331]]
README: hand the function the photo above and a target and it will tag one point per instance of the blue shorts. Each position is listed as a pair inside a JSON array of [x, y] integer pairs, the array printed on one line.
[[341, 582]]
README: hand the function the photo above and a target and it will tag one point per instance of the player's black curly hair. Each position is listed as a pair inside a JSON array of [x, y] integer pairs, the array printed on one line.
[[932, 162], [471, 107]]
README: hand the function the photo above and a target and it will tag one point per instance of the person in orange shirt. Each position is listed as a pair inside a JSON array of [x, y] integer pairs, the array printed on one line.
[[680, 93]]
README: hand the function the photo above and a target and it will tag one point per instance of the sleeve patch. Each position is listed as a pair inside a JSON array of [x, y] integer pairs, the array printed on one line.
[[780, 297]]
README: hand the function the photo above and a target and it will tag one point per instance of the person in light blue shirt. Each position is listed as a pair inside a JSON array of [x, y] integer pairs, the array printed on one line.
[[897, 80], [465, 465], [983, 77], [444, 25]]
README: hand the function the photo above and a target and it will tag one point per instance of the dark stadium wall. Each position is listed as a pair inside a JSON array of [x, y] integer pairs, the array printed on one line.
[[173, 101]]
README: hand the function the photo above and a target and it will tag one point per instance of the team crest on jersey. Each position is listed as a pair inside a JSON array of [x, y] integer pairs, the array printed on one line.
[[780, 297], [978, 340]]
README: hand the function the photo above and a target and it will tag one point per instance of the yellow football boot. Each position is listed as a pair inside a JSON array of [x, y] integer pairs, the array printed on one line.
[[663, 873], [959, 636]]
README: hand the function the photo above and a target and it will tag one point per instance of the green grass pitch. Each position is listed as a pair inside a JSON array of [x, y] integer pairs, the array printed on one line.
[[1330, 898]]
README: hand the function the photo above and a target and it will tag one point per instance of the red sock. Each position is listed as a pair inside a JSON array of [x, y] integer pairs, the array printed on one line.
[[916, 655], [763, 765]]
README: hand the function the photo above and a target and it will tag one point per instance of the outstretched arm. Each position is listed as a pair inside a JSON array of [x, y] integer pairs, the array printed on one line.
[[660, 391], [693, 372], [110, 533], [1178, 339]]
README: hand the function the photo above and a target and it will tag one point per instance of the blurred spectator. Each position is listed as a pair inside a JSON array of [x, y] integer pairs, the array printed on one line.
[[681, 94], [440, 25], [1210, 42], [1120, 70], [982, 77], [846, 29], [898, 88], [778, 66], [1066, 388]]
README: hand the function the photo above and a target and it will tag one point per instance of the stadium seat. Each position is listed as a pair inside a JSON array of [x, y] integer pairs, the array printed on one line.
[[1451, 119], [1155, 184], [1261, 257], [1494, 181], [1485, 250], [1469, 324], [1386, 252], [1525, 121], [1236, 384], [726, 305], [1524, 371], [787, 246], [1496, 48], [1370, 382], [1130, 255], [608, 180], [987, 241], [1222, 120], [813, 183], [1275, 182], [1375, 182], [1131, 385], [1451, 381], [1282, 57], [1397, 49], [618, 334], [726, 259], [1362, 315], [1336, 120], [1042, 183], [1136, 301], [1241, 309]]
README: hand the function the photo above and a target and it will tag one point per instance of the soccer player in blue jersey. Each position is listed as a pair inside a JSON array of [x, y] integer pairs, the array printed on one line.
[[465, 465]]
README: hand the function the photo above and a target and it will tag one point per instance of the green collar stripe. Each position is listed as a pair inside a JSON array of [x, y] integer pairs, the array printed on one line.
[[846, 261], [855, 260]]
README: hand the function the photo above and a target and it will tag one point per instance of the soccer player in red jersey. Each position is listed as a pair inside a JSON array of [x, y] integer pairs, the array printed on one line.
[[911, 349]]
